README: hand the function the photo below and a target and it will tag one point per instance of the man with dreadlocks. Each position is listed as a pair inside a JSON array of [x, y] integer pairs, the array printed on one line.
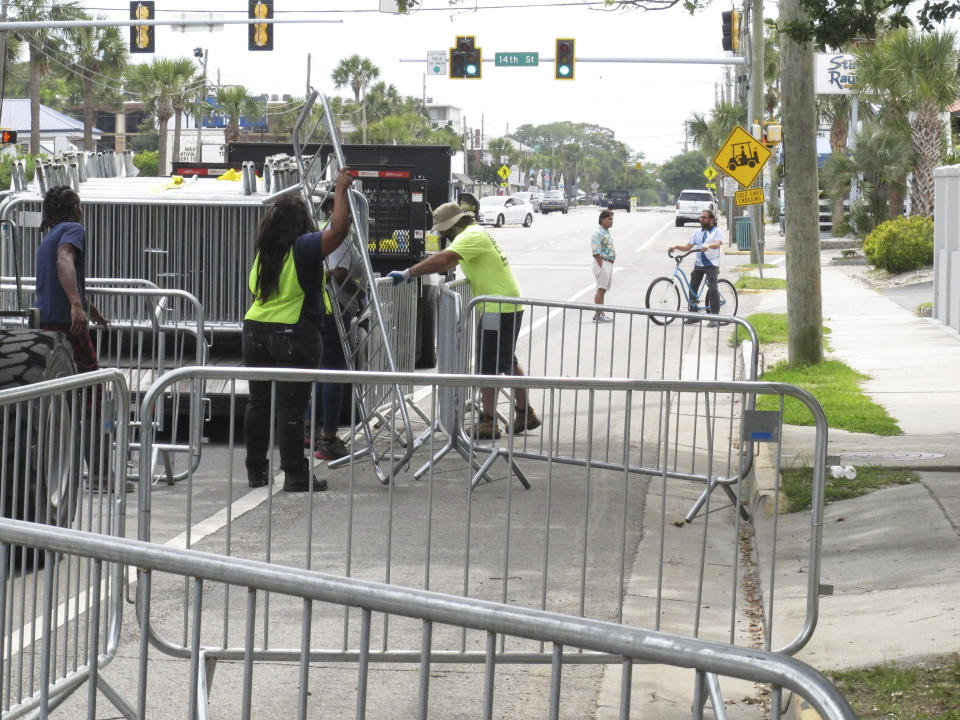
[[61, 278], [282, 328]]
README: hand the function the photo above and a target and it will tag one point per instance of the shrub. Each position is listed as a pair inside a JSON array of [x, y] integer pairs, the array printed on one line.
[[901, 244], [147, 162]]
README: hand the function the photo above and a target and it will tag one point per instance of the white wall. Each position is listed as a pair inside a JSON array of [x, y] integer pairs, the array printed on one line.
[[946, 246]]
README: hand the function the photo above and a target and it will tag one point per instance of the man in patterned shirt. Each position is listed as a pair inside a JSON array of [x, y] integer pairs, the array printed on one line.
[[601, 245]]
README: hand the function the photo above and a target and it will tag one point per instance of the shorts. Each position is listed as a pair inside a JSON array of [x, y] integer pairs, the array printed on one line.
[[604, 274], [497, 342]]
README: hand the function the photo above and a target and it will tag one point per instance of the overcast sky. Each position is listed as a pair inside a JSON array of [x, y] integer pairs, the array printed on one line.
[[645, 104]]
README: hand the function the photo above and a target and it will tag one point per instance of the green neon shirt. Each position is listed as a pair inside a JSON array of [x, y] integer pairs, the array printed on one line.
[[486, 267], [283, 306]]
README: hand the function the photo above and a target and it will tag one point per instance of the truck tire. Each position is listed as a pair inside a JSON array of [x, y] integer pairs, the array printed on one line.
[[42, 450]]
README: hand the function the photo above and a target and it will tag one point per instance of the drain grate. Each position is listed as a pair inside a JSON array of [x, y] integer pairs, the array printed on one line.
[[901, 455]]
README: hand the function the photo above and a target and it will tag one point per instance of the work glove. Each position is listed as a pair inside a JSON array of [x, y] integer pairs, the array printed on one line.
[[400, 276]]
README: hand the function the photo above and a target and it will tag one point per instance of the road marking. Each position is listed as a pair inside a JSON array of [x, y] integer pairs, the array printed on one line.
[[655, 236]]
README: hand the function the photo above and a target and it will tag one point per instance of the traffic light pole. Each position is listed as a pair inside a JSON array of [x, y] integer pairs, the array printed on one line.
[[650, 60], [755, 115]]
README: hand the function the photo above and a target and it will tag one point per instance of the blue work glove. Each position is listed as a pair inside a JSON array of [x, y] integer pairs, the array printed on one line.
[[400, 276]]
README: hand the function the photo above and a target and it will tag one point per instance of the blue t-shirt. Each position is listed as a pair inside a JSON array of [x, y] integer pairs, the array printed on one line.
[[51, 299]]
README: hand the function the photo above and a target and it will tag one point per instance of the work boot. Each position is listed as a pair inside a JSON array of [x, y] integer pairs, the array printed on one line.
[[486, 427], [524, 420], [297, 482]]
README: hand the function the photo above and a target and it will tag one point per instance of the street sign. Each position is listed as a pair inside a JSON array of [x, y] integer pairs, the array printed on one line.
[[710, 173], [504, 184], [516, 59], [753, 196], [436, 62], [742, 156], [504, 172]]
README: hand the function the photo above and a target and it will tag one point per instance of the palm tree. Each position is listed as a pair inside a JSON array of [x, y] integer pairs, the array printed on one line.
[[100, 57], [236, 102], [154, 83], [835, 109], [187, 81], [918, 71], [709, 133], [357, 72], [37, 41]]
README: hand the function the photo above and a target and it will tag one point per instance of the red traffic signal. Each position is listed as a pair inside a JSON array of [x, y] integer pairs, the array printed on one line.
[[8, 137]]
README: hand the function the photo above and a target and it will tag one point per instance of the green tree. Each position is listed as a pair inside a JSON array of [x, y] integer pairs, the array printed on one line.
[[236, 102], [153, 82], [38, 41], [186, 81], [684, 171], [99, 58], [918, 72], [709, 132], [356, 72]]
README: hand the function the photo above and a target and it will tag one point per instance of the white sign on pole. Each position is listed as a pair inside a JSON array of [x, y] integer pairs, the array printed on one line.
[[834, 74], [436, 62]]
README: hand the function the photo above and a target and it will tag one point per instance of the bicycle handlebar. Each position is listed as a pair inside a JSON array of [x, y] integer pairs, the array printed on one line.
[[680, 257]]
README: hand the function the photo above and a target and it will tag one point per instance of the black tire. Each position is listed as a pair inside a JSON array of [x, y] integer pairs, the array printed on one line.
[[628, 209], [678, 222], [564, 211], [728, 297], [528, 220], [43, 456], [499, 222], [662, 295]]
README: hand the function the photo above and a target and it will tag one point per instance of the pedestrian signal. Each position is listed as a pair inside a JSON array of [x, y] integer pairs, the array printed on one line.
[[731, 30], [563, 59], [260, 34], [141, 36], [8, 137], [466, 59]]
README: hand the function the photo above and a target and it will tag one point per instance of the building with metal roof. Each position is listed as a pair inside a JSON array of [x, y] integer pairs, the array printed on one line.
[[57, 131]]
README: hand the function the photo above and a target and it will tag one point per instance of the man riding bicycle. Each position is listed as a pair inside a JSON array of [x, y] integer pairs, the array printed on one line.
[[709, 241]]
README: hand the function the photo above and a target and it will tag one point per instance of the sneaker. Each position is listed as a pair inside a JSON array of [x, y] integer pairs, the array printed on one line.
[[487, 428], [601, 319], [330, 449], [524, 420], [300, 483], [691, 321], [714, 323]]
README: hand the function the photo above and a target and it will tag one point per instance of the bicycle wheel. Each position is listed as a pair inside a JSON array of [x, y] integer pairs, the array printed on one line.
[[663, 295], [728, 297]]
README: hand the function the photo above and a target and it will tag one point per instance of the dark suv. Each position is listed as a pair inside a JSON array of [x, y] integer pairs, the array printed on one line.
[[618, 199], [553, 200]]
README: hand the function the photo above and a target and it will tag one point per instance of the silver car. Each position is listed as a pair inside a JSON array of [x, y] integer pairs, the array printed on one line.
[[499, 210], [530, 197]]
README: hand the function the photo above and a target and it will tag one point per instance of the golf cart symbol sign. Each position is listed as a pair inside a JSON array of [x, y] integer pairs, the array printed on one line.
[[742, 156]]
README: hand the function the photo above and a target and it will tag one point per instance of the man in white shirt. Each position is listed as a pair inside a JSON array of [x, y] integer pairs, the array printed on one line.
[[709, 241]]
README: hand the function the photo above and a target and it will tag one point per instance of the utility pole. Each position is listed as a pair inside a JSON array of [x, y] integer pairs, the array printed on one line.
[[755, 115], [308, 76]]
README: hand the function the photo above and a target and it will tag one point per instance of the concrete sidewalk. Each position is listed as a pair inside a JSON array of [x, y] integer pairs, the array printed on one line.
[[889, 577]]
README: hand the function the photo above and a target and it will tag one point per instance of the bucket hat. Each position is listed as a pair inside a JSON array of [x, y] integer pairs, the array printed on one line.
[[447, 215]]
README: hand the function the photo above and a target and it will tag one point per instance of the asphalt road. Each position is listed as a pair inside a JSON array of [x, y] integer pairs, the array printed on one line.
[[496, 543]]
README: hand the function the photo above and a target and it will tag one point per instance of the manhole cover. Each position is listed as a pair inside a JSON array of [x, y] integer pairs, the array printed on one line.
[[902, 455]]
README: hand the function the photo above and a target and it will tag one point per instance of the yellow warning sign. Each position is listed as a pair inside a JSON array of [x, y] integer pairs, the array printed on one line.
[[742, 156], [504, 172], [710, 173], [753, 196]]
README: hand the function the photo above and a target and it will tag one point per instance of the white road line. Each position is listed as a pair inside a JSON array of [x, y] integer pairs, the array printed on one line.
[[655, 236]]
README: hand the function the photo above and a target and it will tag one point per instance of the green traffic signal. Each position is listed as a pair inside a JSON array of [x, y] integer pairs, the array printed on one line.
[[564, 59]]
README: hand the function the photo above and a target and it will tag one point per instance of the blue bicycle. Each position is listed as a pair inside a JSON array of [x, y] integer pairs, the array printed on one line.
[[665, 293]]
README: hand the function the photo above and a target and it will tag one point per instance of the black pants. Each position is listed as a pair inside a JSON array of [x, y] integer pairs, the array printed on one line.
[[712, 273], [276, 345]]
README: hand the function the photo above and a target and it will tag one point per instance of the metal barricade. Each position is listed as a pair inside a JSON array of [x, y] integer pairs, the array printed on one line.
[[558, 338], [151, 331], [384, 693], [64, 458], [585, 538]]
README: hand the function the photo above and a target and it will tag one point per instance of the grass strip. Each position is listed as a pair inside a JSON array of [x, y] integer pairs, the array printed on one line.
[[749, 282], [772, 328], [836, 386], [797, 482], [929, 690]]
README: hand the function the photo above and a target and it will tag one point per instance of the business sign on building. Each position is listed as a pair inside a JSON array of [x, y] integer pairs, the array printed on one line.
[[834, 73]]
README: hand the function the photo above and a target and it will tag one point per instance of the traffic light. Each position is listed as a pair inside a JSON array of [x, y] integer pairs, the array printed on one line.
[[141, 36], [731, 30], [564, 59], [8, 137], [260, 35], [466, 59]]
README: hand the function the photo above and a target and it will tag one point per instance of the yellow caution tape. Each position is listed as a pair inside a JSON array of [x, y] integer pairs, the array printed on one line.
[[175, 182], [230, 174]]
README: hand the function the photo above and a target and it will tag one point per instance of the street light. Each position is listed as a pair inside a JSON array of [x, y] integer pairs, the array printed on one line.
[[201, 53]]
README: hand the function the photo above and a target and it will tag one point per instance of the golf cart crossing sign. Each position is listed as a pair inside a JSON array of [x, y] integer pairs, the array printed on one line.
[[742, 156]]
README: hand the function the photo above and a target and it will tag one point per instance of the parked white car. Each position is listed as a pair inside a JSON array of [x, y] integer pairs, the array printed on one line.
[[531, 197], [498, 210]]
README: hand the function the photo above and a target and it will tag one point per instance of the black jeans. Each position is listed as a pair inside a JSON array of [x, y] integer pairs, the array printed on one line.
[[277, 345], [712, 273]]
